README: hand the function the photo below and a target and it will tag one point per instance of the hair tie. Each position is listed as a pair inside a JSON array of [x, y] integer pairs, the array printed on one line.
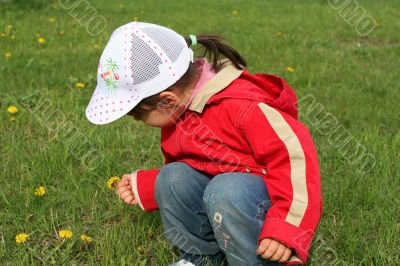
[[193, 38]]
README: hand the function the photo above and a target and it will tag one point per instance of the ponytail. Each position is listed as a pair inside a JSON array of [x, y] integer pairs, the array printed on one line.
[[214, 46]]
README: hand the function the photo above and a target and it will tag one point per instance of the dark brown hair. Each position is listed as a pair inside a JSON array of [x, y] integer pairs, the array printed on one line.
[[214, 46]]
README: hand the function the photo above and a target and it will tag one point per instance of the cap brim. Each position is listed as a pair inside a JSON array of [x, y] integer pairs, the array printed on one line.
[[103, 109]]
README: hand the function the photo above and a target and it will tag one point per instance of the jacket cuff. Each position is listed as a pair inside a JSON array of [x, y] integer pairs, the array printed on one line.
[[294, 237], [143, 184]]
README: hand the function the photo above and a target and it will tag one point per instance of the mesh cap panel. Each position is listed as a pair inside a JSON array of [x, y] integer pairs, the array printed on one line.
[[144, 60], [166, 40]]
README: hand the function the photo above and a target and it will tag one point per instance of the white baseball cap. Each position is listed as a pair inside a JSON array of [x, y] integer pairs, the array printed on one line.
[[139, 60]]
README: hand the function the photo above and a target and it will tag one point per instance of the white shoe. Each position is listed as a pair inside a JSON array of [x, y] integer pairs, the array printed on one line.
[[183, 262]]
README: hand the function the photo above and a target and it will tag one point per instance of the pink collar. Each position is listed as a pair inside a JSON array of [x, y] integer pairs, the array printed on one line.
[[207, 73]]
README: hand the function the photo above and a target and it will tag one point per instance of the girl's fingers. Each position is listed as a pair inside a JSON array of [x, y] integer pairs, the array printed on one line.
[[270, 250], [286, 255], [126, 194], [122, 183], [263, 245], [128, 199], [126, 177], [124, 188], [278, 253]]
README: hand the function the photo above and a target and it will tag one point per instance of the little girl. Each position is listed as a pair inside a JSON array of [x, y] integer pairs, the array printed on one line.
[[240, 181]]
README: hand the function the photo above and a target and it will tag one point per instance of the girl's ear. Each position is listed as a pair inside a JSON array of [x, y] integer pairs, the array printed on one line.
[[168, 99]]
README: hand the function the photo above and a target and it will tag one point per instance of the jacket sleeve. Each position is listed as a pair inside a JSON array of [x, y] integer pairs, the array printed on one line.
[[143, 187], [284, 146]]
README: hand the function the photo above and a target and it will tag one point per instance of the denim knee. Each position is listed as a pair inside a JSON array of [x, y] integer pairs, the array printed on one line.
[[178, 184], [230, 193], [224, 190], [168, 175]]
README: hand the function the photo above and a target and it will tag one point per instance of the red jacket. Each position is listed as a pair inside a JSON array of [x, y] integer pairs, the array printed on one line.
[[240, 122]]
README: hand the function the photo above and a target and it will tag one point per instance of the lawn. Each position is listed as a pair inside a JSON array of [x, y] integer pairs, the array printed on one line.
[[346, 81]]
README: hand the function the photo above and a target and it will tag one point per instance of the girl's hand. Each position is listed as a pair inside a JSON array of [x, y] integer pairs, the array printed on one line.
[[273, 250], [125, 190]]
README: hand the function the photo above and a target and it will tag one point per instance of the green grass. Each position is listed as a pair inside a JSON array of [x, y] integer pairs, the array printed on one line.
[[354, 78]]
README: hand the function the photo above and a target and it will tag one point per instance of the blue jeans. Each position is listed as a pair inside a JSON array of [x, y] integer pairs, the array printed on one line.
[[212, 219]]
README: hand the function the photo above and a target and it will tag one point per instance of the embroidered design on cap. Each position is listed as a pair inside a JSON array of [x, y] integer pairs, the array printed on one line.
[[111, 75]]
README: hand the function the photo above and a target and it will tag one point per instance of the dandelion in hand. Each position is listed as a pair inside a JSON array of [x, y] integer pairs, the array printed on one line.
[[12, 109], [65, 234], [86, 238], [40, 191], [112, 182], [21, 238]]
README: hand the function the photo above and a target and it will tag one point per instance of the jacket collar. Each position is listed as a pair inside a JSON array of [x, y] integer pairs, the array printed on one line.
[[221, 80]]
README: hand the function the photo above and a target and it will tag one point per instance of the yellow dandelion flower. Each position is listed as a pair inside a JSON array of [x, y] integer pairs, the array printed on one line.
[[80, 85], [7, 55], [96, 46], [41, 40], [12, 37], [290, 69], [9, 27], [40, 191], [2, 34], [21, 238], [140, 249], [86, 238], [61, 32], [12, 109], [112, 182], [234, 13], [65, 233], [52, 20]]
